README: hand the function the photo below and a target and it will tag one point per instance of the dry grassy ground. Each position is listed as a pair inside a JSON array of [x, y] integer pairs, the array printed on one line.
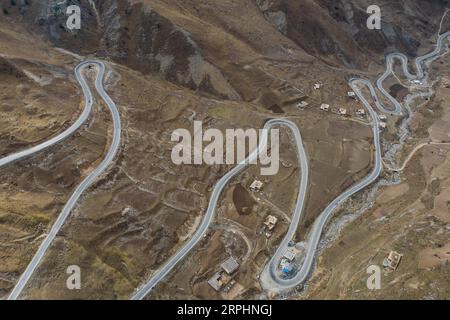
[[228, 66]]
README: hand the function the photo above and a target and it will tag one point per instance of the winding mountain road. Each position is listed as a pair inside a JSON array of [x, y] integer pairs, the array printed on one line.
[[115, 144], [217, 191], [420, 62], [270, 278]]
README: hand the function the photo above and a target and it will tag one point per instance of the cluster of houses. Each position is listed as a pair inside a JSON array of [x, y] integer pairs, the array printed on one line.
[[383, 120], [317, 86], [222, 281], [341, 111]]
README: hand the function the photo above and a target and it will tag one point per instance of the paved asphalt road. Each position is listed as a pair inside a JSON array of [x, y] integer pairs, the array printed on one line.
[[274, 281], [67, 133], [25, 277], [419, 62]]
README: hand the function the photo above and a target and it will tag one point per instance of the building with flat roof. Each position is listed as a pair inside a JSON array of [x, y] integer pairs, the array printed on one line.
[[342, 111], [324, 107], [285, 266], [219, 280], [392, 261], [289, 255], [216, 281]]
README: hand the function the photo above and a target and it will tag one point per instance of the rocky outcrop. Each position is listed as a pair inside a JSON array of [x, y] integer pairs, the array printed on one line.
[[132, 34], [8, 68], [336, 31]]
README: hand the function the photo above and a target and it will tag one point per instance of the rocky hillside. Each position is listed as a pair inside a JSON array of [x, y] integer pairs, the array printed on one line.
[[131, 34], [198, 43]]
